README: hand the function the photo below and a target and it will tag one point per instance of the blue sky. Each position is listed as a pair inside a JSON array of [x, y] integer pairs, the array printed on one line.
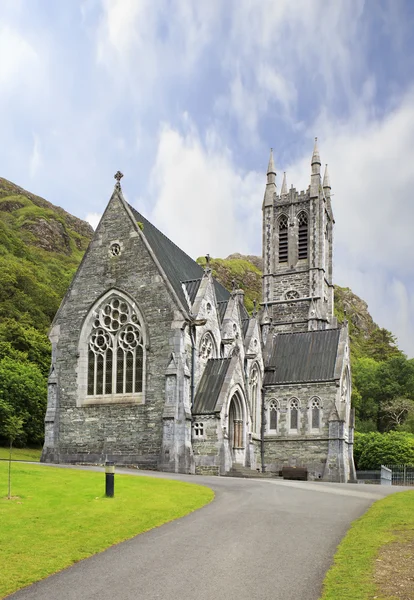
[[186, 97]]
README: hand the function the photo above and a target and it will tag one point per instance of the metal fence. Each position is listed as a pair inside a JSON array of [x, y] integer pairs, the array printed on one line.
[[402, 474]]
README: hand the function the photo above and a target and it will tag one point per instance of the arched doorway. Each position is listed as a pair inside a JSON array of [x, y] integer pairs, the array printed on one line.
[[237, 430]]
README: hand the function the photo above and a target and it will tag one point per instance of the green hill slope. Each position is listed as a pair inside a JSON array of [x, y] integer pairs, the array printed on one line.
[[41, 246]]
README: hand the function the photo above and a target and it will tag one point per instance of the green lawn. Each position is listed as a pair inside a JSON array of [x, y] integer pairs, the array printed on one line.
[[60, 516], [31, 454], [351, 576]]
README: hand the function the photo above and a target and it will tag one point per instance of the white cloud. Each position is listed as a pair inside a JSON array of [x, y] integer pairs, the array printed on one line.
[[202, 202], [35, 161], [93, 219], [19, 61]]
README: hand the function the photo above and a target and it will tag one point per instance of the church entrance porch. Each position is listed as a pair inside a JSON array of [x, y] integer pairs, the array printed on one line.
[[237, 430]]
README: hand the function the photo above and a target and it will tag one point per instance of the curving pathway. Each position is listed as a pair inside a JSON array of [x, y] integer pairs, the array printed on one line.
[[259, 539]]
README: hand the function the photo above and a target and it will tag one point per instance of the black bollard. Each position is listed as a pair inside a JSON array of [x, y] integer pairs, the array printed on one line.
[[109, 479]]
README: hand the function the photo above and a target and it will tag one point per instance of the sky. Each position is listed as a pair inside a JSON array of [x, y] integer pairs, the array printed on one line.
[[186, 97]]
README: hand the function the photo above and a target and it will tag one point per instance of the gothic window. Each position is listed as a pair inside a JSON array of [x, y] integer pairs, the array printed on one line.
[[272, 416], [303, 235], [115, 350], [294, 414], [283, 239], [198, 429], [254, 386], [207, 346], [315, 416]]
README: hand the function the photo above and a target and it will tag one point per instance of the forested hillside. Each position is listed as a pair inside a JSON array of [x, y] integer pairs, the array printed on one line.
[[41, 246]]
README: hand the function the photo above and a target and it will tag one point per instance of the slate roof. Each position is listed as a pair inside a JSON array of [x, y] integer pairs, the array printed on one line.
[[302, 357], [192, 288], [222, 307], [177, 265], [210, 385]]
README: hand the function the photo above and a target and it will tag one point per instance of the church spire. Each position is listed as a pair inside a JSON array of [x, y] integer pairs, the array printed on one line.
[[316, 171], [326, 181], [270, 190], [271, 171], [316, 159], [284, 190]]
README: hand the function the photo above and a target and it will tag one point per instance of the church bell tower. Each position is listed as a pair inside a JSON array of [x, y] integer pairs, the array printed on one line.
[[297, 252]]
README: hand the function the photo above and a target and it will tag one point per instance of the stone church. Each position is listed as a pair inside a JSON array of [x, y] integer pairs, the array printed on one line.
[[156, 364]]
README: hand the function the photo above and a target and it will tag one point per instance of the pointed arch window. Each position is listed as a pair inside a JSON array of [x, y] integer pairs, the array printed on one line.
[[207, 346], [272, 416], [116, 350], [283, 239], [315, 414], [303, 236], [294, 415]]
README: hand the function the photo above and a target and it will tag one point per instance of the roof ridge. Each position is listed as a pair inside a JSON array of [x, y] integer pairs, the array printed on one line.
[[303, 332]]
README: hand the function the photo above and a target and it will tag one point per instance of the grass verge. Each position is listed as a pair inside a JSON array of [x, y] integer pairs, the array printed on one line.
[[30, 454], [352, 575], [60, 516]]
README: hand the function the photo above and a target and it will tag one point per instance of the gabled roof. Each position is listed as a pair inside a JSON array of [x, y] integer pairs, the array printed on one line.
[[222, 307], [210, 385], [177, 265], [302, 357]]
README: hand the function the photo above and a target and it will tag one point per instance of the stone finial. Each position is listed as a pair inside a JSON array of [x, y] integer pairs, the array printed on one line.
[[254, 313], [284, 190], [207, 268], [233, 285], [271, 170], [316, 159], [118, 176], [326, 181]]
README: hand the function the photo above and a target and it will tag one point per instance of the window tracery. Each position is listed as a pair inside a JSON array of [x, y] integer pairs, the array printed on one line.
[[207, 346], [315, 410], [302, 235], [254, 386], [273, 415], [291, 295], [115, 350], [294, 414], [283, 239]]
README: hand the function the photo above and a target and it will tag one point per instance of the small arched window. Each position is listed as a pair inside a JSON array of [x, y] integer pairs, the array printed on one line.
[[115, 350], [207, 346], [294, 414], [273, 416], [303, 235], [315, 414], [283, 239]]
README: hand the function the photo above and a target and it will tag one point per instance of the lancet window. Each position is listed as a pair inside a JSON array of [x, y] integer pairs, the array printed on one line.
[[294, 414], [283, 239], [303, 235], [272, 416], [207, 346], [315, 416], [254, 385], [115, 350]]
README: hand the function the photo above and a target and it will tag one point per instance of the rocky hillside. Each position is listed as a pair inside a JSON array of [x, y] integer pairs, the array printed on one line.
[[41, 246]]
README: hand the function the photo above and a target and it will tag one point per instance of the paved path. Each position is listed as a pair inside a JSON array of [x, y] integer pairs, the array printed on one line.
[[259, 540]]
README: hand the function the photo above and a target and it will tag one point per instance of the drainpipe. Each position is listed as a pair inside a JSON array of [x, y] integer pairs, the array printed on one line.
[[262, 431], [192, 385]]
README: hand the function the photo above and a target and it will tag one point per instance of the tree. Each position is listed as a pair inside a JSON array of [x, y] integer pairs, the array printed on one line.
[[13, 428], [397, 410], [23, 390], [376, 449]]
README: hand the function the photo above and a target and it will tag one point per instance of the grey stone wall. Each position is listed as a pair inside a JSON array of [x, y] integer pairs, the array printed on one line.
[[325, 451], [130, 433]]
